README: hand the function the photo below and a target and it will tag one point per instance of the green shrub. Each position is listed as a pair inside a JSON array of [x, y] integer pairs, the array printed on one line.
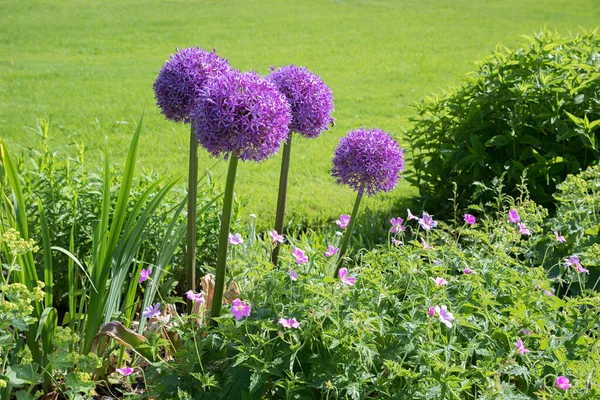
[[536, 108], [70, 191]]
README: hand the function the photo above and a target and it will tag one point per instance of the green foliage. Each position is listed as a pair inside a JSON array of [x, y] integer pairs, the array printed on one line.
[[377, 340], [534, 109], [578, 220]]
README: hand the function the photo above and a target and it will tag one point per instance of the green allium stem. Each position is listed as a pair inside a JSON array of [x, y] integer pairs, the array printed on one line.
[[191, 216], [348, 233], [221, 269], [281, 197]]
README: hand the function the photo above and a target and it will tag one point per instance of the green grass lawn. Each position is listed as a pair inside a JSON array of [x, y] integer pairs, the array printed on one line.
[[90, 66]]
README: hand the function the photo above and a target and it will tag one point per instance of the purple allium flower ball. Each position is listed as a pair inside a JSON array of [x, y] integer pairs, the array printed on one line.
[[310, 99], [242, 113], [180, 81], [368, 160]]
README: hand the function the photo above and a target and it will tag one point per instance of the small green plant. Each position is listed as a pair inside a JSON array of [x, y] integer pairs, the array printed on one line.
[[534, 109]]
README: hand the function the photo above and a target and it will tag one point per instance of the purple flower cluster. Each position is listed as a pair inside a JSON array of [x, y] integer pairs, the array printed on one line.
[[181, 80], [368, 161], [310, 99], [241, 113]]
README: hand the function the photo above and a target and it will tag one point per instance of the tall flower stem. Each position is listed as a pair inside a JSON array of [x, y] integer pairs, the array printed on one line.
[[348, 233], [191, 216], [281, 197], [221, 269]]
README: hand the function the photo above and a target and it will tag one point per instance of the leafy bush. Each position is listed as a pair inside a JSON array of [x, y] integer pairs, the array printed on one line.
[[70, 192], [377, 339], [535, 109], [577, 219]]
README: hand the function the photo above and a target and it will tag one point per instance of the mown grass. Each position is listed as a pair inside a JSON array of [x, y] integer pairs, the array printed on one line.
[[90, 66]]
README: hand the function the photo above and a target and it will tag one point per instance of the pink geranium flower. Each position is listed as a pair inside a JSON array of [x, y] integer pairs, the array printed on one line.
[[346, 280], [397, 242], [520, 347], [427, 222], [445, 316], [431, 311], [145, 274], [523, 229], [235, 239], [343, 221], [574, 261], [425, 245], [331, 251], [299, 255], [563, 383], [468, 271], [439, 281], [397, 225], [559, 238], [513, 216], [289, 323], [470, 219], [240, 309], [410, 215], [276, 237], [293, 274], [197, 297], [152, 312], [125, 371]]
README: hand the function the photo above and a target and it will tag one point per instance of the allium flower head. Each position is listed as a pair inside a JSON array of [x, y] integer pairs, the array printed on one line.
[[470, 219], [563, 383], [289, 323], [241, 113], [331, 251], [368, 160], [346, 280], [240, 309], [180, 81], [427, 222], [520, 347], [310, 99]]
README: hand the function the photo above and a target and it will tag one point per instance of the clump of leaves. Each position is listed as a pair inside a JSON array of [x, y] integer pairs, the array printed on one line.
[[534, 108]]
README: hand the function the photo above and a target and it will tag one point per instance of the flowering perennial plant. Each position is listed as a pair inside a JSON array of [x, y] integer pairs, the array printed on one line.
[[289, 323], [240, 309], [344, 221]]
